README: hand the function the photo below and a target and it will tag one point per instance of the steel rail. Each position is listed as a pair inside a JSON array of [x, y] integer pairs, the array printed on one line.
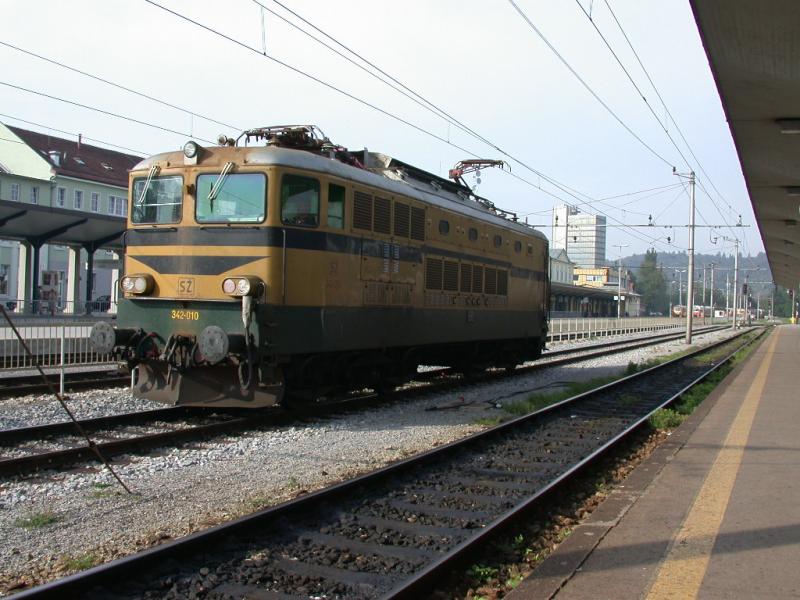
[[426, 580], [20, 385], [57, 458], [158, 561]]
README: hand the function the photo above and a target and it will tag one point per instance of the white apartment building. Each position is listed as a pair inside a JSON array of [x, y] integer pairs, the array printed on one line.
[[581, 235]]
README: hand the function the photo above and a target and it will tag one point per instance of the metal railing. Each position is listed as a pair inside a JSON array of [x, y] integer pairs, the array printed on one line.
[[47, 336], [562, 330], [52, 344], [50, 308]]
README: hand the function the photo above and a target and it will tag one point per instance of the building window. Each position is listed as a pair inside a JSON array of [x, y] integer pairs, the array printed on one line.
[[61, 197], [117, 206], [34, 195], [95, 202], [15, 192], [78, 200], [4, 273]]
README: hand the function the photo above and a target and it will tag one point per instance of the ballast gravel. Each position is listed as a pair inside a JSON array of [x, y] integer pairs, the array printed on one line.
[[41, 409], [61, 520]]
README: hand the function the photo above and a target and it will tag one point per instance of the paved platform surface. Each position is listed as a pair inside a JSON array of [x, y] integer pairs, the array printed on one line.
[[713, 513]]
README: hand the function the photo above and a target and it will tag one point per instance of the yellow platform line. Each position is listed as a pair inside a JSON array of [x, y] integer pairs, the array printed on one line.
[[684, 567]]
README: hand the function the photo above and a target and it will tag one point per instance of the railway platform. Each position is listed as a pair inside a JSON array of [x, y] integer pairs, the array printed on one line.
[[712, 513]]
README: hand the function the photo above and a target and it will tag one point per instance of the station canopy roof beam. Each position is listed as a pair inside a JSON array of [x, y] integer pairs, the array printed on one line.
[[753, 53]]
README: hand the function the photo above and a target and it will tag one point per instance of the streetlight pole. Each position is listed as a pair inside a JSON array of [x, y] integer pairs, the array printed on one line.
[[704, 295], [680, 286], [619, 280], [690, 274], [735, 284], [712, 293], [746, 297]]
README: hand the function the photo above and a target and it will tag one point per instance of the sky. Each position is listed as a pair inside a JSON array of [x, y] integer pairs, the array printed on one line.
[[481, 63]]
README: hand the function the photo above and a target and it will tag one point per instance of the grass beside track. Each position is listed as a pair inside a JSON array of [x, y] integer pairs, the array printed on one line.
[[511, 558], [670, 418], [539, 401]]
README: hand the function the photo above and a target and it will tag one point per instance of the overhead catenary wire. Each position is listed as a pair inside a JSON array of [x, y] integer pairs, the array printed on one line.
[[666, 109], [101, 111], [597, 97], [444, 114], [550, 180], [116, 85], [379, 109], [663, 103], [589, 88], [417, 98], [392, 83], [433, 107]]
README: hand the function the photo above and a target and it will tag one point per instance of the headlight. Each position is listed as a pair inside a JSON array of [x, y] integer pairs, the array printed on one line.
[[240, 286], [190, 149], [229, 287], [137, 284]]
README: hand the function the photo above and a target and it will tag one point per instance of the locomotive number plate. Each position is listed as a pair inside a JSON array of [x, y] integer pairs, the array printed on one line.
[[185, 315], [186, 287]]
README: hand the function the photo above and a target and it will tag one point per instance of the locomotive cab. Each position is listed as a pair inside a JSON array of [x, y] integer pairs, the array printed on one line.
[[192, 289]]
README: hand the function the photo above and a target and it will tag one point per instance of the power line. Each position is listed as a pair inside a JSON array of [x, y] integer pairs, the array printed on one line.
[[73, 134], [117, 85], [669, 114], [308, 76], [400, 87], [586, 85], [444, 114], [365, 103], [101, 111], [633, 83], [430, 106]]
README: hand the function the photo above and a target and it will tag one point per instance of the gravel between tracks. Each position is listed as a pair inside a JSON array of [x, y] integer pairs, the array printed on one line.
[[182, 489]]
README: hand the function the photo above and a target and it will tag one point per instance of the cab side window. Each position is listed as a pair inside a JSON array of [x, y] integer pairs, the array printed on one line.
[[299, 201], [336, 195]]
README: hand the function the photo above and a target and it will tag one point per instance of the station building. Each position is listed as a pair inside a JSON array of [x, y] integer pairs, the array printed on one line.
[[561, 267], [63, 205]]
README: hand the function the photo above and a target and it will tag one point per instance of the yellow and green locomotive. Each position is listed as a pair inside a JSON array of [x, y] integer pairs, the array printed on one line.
[[253, 270]]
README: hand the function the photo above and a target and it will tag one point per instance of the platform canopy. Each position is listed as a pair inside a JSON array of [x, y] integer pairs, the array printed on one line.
[[754, 52], [49, 225]]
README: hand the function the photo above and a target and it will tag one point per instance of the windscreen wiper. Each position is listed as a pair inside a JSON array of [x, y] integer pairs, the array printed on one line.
[[215, 189], [152, 173]]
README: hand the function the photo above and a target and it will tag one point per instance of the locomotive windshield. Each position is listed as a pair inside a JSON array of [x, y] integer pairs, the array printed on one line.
[[242, 198], [162, 201]]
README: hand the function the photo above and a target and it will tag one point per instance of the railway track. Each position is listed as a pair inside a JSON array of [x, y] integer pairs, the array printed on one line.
[[394, 532], [20, 385], [29, 449]]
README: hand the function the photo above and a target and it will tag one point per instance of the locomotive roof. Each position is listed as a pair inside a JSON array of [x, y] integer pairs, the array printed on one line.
[[381, 171]]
